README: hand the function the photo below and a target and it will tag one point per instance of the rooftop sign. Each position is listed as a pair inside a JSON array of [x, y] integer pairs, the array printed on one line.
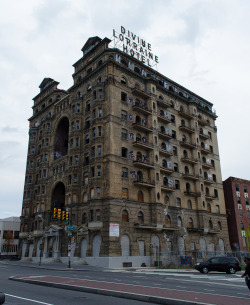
[[135, 46]]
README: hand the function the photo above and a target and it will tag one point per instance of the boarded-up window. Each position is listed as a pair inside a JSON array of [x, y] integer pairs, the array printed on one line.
[[125, 216]]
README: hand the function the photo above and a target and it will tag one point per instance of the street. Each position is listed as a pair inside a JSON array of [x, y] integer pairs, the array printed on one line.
[[193, 283]]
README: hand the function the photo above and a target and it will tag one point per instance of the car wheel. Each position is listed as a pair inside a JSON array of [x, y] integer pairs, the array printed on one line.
[[231, 270], [204, 270]]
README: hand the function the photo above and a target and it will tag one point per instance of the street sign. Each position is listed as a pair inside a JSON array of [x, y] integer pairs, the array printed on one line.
[[70, 247], [71, 228]]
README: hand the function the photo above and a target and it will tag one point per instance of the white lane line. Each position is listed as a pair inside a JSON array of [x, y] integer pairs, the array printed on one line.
[[181, 287], [30, 300]]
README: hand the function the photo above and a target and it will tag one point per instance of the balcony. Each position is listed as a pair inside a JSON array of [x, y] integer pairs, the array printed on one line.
[[193, 194], [165, 152], [145, 183], [205, 151], [164, 135], [208, 180], [187, 144], [143, 164], [195, 230], [202, 122], [23, 234], [168, 188], [190, 176], [38, 233], [141, 93], [207, 165], [151, 227], [166, 170], [95, 225], [142, 109], [185, 114], [203, 135], [163, 103], [142, 127], [186, 129], [141, 144], [164, 118], [189, 160], [209, 197]]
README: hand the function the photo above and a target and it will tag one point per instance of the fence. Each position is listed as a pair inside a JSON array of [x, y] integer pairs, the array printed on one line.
[[187, 259]]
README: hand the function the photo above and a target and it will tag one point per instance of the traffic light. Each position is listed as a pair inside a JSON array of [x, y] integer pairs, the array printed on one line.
[[74, 239], [63, 215], [59, 211], [55, 213], [67, 216]]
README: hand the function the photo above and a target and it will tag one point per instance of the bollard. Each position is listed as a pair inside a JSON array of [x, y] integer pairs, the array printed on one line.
[[2, 297]]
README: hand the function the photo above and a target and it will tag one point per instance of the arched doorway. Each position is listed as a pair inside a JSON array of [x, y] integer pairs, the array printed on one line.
[[84, 245], [96, 246], [125, 244]]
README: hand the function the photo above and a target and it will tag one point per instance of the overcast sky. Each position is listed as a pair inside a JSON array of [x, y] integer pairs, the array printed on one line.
[[203, 45]]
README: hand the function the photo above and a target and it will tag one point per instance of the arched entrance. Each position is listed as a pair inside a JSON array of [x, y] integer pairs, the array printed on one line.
[[84, 245]]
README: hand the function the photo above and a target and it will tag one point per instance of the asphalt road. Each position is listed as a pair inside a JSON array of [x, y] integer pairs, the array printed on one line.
[[220, 284]]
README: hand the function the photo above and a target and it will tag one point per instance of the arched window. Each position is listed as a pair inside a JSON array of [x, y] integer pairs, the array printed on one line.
[[123, 80], [164, 163], [167, 221], [190, 223], [140, 196], [165, 181], [186, 170], [139, 176], [185, 154], [179, 221], [139, 156], [125, 217], [209, 207], [166, 199], [138, 137], [210, 224], [84, 218], [189, 204], [183, 123], [219, 225], [178, 202], [188, 187], [140, 217]]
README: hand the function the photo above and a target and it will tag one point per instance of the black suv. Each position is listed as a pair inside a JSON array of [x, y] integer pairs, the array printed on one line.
[[222, 264]]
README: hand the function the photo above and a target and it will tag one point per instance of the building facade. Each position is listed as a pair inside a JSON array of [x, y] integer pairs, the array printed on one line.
[[129, 157], [9, 236], [238, 212]]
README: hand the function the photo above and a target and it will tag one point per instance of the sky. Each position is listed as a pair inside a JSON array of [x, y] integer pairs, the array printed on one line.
[[203, 45]]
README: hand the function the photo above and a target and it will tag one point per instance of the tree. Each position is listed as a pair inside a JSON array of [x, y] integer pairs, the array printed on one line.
[[8, 241]]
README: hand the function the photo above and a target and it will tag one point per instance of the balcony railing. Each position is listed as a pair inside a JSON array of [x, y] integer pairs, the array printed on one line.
[[168, 188], [165, 152], [185, 114], [205, 151], [141, 163], [187, 144], [166, 169], [164, 135], [186, 128], [142, 144], [141, 109], [141, 93], [189, 160], [207, 165], [203, 135], [164, 118], [210, 197], [194, 194], [190, 176], [163, 103], [142, 127], [146, 183]]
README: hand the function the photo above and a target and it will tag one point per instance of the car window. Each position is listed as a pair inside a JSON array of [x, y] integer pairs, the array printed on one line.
[[214, 260]]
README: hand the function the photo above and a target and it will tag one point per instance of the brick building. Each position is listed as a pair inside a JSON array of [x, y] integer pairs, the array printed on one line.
[[238, 212], [131, 155]]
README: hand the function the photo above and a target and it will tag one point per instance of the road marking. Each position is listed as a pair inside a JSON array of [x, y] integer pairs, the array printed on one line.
[[209, 289], [14, 296]]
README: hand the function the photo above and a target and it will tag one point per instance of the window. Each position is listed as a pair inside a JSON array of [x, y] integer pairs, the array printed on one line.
[[189, 204], [123, 80], [173, 134], [124, 152], [100, 94], [237, 187], [177, 184], [98, 192], [87, 123], [140, 196], [98, 215], [93, 132], [214, 178], [84, 218], [75, 178], [87, 139], [216, 193], [94, 113], [99, 170], [140, 217], [124, 172], [92, 170], [76, 160], [172, 118], [87, 109], [190, 223], [175, 150], [179, 221], [125, 217], [167, 221], [99, 131], [77, 124], [93, 152], [245, 189], [86, 179], [176, 168], [124, 193], [210, 135], [99, 112], [86, 159], [178, 202], [69, 179], [124, 115], [123, 97], [217, 209], [78, 108], [99, 150], [124, 134], [209, 207], [44, 173]]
